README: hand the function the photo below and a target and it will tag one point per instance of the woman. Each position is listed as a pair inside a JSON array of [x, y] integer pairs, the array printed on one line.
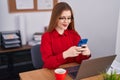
[[59, 43]]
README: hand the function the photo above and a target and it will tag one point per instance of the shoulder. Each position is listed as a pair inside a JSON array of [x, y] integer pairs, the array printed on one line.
[[46, 35], [45, 38], [73, 32]]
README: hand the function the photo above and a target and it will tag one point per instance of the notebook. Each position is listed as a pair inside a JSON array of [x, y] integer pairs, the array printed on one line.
[[90, 67]]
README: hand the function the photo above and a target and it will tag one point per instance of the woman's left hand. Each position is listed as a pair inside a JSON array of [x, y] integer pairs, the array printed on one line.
[[85, 50]]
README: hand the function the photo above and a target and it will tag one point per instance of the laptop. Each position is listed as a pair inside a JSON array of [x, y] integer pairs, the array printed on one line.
[[90, 67]]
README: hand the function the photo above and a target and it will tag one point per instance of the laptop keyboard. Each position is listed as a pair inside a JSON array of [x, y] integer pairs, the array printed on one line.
[[72, 71]]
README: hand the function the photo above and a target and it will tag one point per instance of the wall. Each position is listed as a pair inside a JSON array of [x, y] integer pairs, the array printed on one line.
[[117, 51], [96, 20]]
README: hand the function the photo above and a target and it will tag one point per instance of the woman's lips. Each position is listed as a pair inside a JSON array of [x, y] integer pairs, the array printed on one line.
[[65, 25]]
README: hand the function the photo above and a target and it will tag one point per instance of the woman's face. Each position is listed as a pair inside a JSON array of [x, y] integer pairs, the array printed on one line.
[[64, 20]]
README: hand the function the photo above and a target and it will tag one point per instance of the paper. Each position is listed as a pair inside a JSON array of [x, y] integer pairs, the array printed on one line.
[[22, 28], [12, 41], [45, 4], [10, 36], [115, 66], [24, 4], [12, 45], [33, 42]]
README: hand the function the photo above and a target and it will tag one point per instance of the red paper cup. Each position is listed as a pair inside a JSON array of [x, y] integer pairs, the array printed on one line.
[[60, 74]]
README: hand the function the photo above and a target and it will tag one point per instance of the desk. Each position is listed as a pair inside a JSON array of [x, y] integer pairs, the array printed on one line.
[[24, 47], [10, 52], [46, 74]]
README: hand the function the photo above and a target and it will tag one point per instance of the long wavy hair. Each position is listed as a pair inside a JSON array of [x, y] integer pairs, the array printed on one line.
[[56, 12]]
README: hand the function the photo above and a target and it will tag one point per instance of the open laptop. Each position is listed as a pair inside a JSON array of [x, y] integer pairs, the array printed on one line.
[[90, 67]]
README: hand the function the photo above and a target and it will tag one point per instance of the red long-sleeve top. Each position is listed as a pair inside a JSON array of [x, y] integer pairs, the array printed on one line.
[[53, 45]]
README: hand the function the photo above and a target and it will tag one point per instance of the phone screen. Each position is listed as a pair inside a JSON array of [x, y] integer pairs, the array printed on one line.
[[82, 42]]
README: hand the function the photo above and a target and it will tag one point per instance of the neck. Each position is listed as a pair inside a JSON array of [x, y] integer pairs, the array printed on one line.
[[60, 31]]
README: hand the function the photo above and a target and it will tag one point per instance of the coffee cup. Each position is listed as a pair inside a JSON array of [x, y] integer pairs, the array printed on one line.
[[60, 73]]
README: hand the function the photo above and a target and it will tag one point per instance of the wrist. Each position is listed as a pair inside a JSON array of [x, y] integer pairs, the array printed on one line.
[[64, 55]]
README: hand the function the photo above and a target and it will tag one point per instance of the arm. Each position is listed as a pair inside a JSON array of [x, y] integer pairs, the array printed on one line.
[[50, 60], [82, 57]]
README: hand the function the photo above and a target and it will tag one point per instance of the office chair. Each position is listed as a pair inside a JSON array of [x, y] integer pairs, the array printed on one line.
[[36, 57]]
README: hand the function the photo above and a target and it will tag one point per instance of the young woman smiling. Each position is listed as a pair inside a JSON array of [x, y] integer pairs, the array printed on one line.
[[59, 42]]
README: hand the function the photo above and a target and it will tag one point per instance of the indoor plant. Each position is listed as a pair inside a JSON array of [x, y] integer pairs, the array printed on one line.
[[111, 76]]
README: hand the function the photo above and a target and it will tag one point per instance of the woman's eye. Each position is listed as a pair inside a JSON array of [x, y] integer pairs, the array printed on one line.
[[69, 18], [61, 18]]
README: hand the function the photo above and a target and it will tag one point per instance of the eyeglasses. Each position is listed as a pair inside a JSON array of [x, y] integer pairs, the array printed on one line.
[[64, 18]]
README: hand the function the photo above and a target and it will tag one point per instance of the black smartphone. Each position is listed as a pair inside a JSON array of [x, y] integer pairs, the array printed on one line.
[[82, 42]]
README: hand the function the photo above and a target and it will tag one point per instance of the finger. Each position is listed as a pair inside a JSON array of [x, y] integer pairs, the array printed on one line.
[[78, 49], [76, 53], [83, 49], [84, 46], [87, 52]]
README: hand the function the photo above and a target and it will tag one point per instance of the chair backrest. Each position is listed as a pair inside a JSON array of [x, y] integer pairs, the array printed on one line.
[[36, 57]]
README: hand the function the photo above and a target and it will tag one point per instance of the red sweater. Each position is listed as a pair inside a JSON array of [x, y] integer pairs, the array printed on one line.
[[53, 45]]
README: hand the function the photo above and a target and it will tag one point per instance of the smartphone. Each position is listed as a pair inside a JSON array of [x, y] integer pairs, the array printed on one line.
[[82, 42]]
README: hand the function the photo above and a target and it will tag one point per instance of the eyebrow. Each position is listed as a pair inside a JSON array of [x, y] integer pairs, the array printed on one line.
[[65, 16]]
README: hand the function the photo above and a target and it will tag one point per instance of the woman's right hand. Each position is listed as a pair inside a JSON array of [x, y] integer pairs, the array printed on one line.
[[72, 52]]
